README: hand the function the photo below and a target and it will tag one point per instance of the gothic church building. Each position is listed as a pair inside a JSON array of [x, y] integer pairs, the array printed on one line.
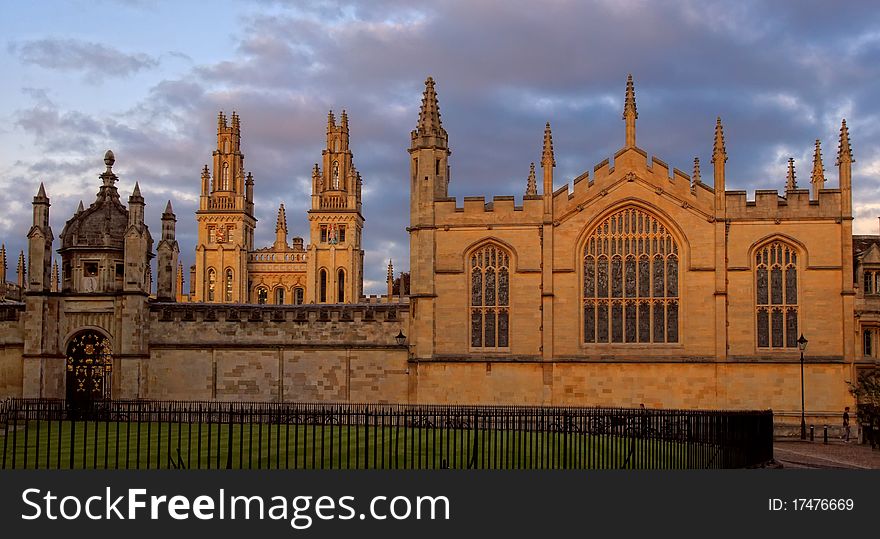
[[635, 283]]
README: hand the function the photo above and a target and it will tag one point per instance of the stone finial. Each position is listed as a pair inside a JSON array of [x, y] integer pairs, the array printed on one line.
[[718, 150], [695, 177], [531, 183], [136, 193], [80, 209], [169, 211], [344, 121], [108, 177], [236, 121], [547, 157], [790, 179], [41, 194], [109, 160], [630, 113], [331, 121], [390, 276], [844, 150]]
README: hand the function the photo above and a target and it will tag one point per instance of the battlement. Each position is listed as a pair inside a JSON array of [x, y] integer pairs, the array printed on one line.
[[474, 210], [796, 204], [374, 311]]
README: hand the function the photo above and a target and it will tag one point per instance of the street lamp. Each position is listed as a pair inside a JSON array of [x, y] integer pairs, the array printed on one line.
[[401, 338], [802, 345]]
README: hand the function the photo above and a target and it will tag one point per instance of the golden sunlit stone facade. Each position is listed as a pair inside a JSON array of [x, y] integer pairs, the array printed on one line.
[[229, 269], [642, 284], [635, 283]]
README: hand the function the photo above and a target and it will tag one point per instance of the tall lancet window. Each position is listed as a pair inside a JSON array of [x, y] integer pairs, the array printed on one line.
[[212, 283], [631, 285], [224, 179], [229, 284], [335, 179], [490, 298], [340, 286], [776, 296]]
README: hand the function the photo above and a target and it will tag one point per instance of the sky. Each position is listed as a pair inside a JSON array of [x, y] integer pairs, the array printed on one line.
[[146, 78]]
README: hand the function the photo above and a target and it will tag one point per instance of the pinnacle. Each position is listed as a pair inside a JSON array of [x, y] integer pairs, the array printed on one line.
[[429, 115], [168, 208], [844, 151], [719, 149], [629, 103], [42, 192], [547, 157], [281, 223], [818, 168], [791, 180], [137, 190], [79, 209], [531, 183]]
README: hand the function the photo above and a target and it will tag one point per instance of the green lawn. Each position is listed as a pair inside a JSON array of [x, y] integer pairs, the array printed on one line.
[[162, 445]]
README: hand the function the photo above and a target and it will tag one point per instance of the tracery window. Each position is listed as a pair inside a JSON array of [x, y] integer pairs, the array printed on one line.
[[212, 283], [776, 299], [262, 295], [225, 179], [631, 281], [298, 296], [490, 298], [871, 282], [279, 296]]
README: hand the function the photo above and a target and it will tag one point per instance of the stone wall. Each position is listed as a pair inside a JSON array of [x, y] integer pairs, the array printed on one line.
[[335, 353], [11, 349]]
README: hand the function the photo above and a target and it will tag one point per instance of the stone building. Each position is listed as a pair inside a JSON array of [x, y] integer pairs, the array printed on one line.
[[635, 283], [229, 269]]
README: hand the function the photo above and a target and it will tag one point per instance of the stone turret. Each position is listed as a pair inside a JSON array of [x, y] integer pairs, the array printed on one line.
[[40, 245], [169, 252]]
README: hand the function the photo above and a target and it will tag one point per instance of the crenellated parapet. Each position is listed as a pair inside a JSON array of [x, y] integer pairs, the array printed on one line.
[[769, 204]]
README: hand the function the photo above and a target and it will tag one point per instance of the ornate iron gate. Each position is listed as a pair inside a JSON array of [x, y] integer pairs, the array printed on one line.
[[89, 369]]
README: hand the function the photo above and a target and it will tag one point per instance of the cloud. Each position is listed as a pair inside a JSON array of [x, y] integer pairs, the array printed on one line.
[[94, 60], [779, 75]]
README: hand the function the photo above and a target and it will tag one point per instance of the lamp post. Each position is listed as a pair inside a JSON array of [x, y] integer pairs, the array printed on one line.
[[802, 345], [400, 338]]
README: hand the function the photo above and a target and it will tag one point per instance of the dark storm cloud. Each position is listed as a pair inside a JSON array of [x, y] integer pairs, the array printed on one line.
[[779, 74], [94, 60]]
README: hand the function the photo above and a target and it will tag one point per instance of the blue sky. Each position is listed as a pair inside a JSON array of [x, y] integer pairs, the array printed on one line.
[[147, 77]]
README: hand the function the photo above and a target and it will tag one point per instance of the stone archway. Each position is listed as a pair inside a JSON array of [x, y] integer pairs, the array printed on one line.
[[89, 368]]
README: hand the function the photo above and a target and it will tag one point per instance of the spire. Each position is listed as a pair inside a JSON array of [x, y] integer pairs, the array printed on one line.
[[42, 192], [168, 210], [790, 179], [137, 191], [236, 121], [429, 115], [221, 121], [695, 178], [818, 178], [547, 157], [629, 112], [2, 264], [21, 273], [80, 209], [54, 279], [531, 184]]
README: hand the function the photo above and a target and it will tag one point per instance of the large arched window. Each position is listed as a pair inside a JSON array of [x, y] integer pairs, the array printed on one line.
[[776, 301], [228, 289], [322, 286], [631, 288], [340, 286], [490, 297], [212, 283]]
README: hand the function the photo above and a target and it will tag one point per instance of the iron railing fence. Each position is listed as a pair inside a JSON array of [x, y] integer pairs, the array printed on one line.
[[123, 434]]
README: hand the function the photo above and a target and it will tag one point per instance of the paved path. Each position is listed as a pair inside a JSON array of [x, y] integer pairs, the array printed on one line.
[[835, 455]]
